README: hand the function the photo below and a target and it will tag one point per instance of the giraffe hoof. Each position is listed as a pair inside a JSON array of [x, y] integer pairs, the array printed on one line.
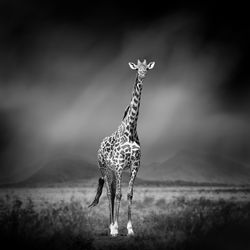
[[131, 232], [113, 230]]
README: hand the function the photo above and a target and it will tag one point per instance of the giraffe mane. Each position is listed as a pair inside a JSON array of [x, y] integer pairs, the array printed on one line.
[[126, 112]]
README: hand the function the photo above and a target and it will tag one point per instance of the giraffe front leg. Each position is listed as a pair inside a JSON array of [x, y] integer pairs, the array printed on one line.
[[130, 197]]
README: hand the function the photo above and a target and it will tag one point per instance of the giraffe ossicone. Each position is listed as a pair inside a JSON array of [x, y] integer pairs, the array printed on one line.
[[121, 150]]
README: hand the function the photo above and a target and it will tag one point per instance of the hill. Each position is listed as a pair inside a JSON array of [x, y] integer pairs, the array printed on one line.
[[183, 169], [61, 170], [198, 168], [66, 171]]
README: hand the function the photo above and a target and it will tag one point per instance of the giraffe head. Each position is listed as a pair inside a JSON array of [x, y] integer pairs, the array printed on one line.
[[141, 67]]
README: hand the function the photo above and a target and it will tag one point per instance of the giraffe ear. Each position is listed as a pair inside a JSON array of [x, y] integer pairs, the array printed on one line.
[[132, 65], [151, 65]]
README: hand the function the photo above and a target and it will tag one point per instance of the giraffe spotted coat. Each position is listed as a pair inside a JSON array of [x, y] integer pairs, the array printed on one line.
[[121, 150]]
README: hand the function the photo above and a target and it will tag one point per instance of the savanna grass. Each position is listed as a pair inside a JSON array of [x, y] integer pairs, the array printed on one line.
[[178, 224]]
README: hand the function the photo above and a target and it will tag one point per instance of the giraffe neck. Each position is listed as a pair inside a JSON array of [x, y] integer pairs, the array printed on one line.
[[134, 106]]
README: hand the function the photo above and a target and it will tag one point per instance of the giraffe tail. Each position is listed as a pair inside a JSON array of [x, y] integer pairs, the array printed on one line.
[[98, 192]]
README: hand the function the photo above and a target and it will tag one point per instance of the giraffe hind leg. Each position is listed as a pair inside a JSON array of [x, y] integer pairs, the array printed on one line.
[[118, 196], [109, 199], [113, 190], [112, 185]]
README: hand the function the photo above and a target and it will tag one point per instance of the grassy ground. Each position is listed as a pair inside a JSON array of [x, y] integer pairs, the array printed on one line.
[[33, 220]]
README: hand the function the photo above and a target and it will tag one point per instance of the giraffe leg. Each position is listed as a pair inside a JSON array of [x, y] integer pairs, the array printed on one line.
[[113, 228], [109, 179], [111, 206], [118, 196], [134, 171]]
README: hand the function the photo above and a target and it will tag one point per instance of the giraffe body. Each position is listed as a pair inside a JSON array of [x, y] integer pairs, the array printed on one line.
[[121, 150]]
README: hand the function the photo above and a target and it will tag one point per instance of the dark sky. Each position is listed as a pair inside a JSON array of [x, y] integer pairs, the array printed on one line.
[[65, 80]]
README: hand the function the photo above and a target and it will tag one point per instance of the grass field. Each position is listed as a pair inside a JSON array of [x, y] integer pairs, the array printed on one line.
[[163, 218]]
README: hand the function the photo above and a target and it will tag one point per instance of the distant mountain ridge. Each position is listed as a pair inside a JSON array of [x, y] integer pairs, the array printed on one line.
[[198, 168], [61, 170], [184, 168], [68, 171]]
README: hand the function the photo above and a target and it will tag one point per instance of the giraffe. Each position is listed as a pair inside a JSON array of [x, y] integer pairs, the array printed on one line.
[[122, 151]]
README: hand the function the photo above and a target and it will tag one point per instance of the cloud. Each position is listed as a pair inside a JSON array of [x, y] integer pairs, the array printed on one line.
[[76, 87]]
